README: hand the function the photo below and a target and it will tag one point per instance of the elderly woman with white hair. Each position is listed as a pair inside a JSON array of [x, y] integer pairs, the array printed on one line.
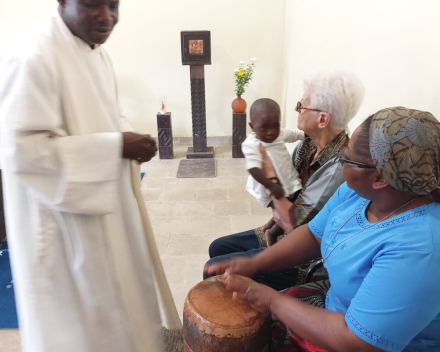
[[330, 100]]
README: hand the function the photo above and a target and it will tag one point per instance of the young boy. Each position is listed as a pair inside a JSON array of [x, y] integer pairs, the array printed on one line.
[[265, 122]]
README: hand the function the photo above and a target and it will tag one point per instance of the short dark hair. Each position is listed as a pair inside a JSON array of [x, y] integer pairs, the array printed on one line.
[[264, 104], [362, 146]]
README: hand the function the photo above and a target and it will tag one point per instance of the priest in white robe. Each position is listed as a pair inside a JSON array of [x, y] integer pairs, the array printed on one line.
[[82, 254]]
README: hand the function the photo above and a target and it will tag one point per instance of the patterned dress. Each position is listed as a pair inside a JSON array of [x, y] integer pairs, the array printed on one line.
[[320, 178]]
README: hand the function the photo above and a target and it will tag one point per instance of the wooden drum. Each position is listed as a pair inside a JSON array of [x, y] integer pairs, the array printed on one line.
[[214, 322]]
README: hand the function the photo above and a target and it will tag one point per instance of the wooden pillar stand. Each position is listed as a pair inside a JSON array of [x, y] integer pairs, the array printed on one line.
[[165, 135], [238, 133], [199, 149]]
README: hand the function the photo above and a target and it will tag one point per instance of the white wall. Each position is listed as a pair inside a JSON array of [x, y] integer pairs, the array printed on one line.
[[392, 45], [145, 49]]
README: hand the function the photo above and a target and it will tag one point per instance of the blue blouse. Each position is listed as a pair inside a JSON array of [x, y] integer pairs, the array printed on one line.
[[386, 278]]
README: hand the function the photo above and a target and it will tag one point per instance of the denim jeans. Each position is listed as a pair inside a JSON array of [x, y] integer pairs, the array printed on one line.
[[246, 244]]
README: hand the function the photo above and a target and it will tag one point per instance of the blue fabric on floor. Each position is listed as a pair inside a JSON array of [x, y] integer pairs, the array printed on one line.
[[8, 312], [142, 175]]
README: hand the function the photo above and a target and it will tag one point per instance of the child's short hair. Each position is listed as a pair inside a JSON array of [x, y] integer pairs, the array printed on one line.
[[264, 104]]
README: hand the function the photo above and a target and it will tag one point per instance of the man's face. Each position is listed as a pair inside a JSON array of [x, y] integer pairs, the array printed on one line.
[[90, 20]]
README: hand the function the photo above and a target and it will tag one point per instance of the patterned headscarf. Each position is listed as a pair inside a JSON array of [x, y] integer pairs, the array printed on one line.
[[405, 147]]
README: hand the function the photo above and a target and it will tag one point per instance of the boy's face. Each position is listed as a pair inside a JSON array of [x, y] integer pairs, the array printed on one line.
[[266, 125]]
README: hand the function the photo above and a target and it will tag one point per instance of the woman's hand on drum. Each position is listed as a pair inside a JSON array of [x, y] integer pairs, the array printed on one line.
[[260, 297], [244, 265]]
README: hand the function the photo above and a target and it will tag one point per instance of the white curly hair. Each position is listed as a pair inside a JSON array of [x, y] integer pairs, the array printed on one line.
[[337, 92]]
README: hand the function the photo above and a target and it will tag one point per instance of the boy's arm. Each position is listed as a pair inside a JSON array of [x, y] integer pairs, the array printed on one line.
[[294, 135], [273, 187]]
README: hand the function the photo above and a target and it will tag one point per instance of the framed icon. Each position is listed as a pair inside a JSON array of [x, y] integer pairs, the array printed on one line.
[[196, 47]]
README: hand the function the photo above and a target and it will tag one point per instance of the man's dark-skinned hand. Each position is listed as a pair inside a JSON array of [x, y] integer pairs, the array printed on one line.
[[140, 147]]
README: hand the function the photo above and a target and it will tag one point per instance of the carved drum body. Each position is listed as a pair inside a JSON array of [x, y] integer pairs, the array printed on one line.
[[214, 322]]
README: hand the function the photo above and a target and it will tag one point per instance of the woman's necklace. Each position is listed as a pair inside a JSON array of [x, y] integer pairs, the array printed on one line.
[[325, 256]]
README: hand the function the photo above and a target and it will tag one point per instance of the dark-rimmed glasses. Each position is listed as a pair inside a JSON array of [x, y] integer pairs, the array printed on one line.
[[340, 159], [299, 107]]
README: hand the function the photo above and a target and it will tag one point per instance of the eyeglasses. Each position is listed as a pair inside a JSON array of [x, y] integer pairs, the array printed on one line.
[[343, 161], [299, 107]]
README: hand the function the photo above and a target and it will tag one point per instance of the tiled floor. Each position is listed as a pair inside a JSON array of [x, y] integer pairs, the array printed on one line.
[[187, 214]]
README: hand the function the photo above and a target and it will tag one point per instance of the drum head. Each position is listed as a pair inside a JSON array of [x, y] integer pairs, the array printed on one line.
[[211, 307]]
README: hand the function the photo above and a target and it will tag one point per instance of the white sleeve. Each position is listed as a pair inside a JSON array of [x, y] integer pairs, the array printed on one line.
[[294, 135], [252, 155], [77, 174], [125, 125]]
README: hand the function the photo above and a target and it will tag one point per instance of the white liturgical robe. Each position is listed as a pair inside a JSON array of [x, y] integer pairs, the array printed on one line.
[[82, 266]]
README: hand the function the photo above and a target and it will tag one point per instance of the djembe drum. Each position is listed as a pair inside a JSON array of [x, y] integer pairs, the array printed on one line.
[[214, 322]]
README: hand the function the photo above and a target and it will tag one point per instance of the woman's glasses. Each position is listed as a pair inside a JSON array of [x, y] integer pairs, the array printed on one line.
[[299, 107], [340, 159]]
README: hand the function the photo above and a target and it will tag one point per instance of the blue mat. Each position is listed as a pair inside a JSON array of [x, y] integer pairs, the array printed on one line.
[[8, 312]]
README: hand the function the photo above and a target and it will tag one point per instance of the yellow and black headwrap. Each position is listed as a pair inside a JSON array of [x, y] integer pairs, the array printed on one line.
[[405, 147]]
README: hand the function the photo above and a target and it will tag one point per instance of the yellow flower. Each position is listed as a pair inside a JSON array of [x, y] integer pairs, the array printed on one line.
[[241, 72]]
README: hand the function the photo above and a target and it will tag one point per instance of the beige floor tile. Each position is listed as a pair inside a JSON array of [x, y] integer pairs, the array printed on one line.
[[212, 195], [231, 168], [156, 173], [222, 172], [194, 209], [218, 225], [159, 164], [152, 164], [179, 194], [240, 194], [243, 180], [231, 207], [238, 172], [226, 182], [222, 151], [172, 172], [194, 273], [195, 183], [247, 222], [180, 154], [228, 163], [232, 172], [189, 245], [160, 182], [160, 209], [179, 292], [10, 340], [175, 269], [152, 194], [162, 244], [170, 163], [173, 226], [258, 209]]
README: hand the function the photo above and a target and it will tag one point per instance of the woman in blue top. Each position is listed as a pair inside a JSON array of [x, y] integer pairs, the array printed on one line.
[[379, 236]]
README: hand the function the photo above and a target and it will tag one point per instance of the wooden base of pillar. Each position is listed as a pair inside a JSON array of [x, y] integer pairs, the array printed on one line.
[[238, 133], [165, 136], [191, 154]]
